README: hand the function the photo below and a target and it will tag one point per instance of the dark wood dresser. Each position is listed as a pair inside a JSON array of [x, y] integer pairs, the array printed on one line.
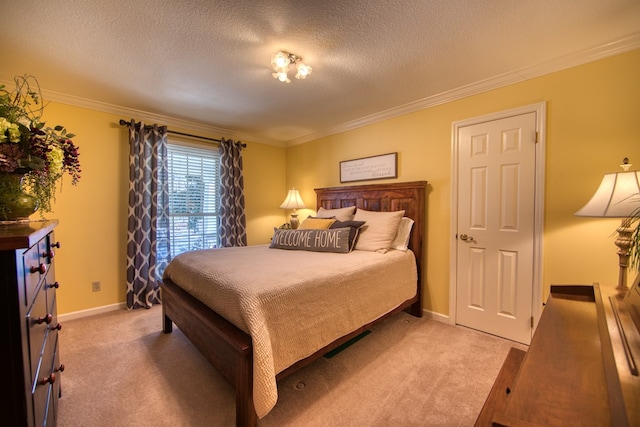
[[30, 324], [581, 367]]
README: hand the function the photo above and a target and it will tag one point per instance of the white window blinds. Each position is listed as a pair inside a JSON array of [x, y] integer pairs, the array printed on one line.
[[194, 184]]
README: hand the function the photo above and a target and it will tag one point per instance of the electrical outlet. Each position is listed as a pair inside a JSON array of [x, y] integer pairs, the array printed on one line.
[[95, 286]]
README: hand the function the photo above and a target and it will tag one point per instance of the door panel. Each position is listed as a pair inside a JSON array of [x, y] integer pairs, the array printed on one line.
[[495, 244]]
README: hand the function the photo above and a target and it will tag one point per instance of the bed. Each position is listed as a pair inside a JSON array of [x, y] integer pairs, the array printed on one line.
[[229, 346]]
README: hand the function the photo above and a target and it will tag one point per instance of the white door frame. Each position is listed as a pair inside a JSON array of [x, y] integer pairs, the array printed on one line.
[[540, 110]]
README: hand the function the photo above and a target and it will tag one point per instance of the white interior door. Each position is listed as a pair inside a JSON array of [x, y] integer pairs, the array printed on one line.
[[495, 226]]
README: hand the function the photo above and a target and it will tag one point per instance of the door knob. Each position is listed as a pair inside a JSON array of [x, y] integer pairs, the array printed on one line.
[[465, 237]]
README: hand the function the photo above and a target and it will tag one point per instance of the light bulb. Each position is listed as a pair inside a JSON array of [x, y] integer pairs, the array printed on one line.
[[282, 76], [303, 70], [279, 61]]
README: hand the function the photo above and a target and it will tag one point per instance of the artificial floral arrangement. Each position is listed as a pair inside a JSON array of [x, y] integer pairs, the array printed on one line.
[[41, 155]]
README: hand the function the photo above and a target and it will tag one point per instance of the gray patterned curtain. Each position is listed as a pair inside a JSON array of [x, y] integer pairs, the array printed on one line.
[[233, 223], [148, 222]]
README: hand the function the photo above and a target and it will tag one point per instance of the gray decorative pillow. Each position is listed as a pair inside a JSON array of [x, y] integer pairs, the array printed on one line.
[[354, 227], [317, 240]]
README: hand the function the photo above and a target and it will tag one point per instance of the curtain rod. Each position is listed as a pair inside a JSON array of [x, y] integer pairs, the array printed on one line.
[[124, 122]]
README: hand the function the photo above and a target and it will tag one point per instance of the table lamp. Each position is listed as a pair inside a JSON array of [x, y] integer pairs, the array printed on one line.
[[293, 201], [617, 197]]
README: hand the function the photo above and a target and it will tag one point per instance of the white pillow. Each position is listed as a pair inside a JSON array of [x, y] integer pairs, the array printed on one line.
[[379, 230], [341, 214], [401, 242]]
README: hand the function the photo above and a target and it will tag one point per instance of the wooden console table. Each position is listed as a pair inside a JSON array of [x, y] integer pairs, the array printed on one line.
[[581, 367]]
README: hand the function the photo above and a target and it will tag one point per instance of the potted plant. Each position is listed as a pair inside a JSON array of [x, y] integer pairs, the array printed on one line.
[[33, 156]]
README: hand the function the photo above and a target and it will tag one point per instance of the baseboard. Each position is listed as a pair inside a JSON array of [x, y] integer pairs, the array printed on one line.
[[92, 311], [435, 316]]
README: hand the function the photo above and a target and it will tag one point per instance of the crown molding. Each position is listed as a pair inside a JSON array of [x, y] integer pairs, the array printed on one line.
[[625, 44], [168, 121]]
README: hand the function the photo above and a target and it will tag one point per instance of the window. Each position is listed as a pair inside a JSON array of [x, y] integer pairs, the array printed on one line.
[[193, 196]]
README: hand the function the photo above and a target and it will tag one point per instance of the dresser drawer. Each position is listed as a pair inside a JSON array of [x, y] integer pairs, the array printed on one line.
[[50, 278], [54, 326], [45, 383], [58, 368], [35, 268], [42, 406], [38, 320]]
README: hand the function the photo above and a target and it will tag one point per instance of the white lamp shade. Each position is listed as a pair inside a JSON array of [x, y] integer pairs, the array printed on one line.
[[293, 200], [617, 197]]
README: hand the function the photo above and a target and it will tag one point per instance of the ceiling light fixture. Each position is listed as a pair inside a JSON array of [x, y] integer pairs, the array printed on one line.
[[280, 63]]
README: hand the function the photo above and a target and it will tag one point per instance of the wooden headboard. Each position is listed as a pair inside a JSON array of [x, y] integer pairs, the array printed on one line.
[[407, 196]]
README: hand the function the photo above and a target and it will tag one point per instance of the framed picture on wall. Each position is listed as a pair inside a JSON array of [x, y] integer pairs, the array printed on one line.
[[369, 168]]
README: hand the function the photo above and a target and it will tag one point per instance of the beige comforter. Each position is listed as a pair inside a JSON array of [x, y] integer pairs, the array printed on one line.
[[293, 303]]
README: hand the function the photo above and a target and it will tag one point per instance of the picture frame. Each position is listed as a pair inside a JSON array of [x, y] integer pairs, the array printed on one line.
[[382, 166]]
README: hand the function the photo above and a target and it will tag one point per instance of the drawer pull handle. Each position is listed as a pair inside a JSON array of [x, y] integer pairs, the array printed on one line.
[[50, 379], [49, 254], [46, 319], [56, 328], [55, 245], [54, 285], [60, 368], [39, 269]]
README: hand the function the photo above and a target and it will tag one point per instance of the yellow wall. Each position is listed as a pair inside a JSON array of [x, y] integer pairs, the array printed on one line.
[[93, 215], [593, 122]]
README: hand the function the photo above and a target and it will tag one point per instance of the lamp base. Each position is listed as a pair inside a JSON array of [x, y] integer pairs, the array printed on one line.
[[295, 223], [623, 242]]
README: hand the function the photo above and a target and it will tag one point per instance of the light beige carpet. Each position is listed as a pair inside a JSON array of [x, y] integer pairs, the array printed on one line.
[[121, 370]]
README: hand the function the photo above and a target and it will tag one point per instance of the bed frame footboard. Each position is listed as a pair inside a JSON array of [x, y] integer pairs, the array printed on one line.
[[225, 346], [230, 350]]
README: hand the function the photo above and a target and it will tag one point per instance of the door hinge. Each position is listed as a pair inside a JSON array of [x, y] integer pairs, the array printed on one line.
[[535, 136], [531, 322]]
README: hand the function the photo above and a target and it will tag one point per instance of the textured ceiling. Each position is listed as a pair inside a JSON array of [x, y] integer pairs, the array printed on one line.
[[207, 62]]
